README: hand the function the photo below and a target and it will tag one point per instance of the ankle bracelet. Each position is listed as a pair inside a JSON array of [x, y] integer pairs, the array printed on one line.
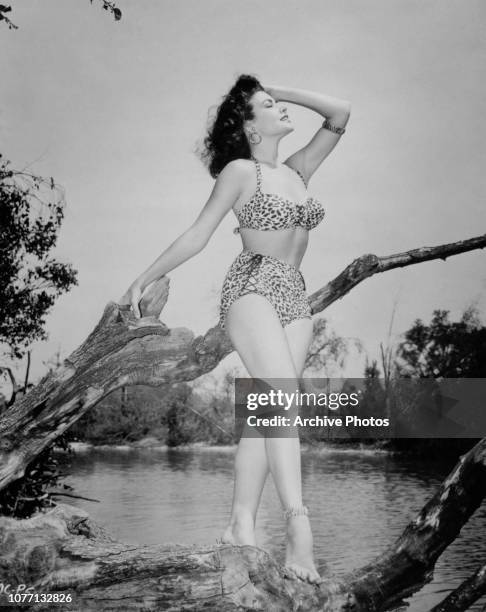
[[295, 511]]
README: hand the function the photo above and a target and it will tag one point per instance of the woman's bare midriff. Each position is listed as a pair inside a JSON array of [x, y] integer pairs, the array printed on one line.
[[286, 244]]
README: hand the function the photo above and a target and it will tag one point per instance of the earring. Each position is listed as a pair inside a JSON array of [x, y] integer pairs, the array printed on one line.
[[254, 137]]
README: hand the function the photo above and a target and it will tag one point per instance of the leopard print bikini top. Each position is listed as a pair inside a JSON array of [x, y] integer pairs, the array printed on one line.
[[269, 211]]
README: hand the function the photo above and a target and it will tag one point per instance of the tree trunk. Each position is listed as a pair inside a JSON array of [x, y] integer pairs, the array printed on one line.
[[27, 371]]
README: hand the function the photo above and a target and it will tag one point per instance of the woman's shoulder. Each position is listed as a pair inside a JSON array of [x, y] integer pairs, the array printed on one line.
[[240, 164], [238, 168]]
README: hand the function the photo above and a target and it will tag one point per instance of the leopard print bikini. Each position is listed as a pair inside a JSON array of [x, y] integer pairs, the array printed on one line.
[[280, 282], [268, 211]]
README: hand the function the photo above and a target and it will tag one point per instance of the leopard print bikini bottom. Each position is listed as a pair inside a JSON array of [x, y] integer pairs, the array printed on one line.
[[280, 282]]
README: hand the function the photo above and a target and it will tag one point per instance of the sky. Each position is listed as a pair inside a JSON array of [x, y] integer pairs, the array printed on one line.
[[115, 110]]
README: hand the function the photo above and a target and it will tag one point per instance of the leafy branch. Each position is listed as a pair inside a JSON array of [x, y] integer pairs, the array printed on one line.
[[110, 6], [6, 9], [31, 213], [107, 6]]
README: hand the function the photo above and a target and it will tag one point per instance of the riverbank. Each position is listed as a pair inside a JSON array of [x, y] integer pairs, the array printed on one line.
[[427, 449], [154, 444]]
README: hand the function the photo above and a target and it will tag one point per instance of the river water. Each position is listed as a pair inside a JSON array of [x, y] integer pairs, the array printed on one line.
[[359, 501]]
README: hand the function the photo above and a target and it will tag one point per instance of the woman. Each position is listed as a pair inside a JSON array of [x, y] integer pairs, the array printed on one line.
[[264, 306]]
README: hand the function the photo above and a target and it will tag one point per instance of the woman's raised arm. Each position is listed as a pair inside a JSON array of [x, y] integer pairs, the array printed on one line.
[[334, 110], [225, 192]]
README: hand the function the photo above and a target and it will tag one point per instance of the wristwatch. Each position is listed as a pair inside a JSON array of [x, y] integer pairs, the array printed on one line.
[[333, 128]]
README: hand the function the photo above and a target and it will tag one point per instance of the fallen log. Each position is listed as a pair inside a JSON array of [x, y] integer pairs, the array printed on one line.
[[63, 551]]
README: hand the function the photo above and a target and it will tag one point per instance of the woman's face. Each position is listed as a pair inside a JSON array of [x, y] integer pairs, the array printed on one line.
[[270, 117]]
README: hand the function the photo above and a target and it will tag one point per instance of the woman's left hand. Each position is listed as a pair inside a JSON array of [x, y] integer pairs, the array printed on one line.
[[270, 91]]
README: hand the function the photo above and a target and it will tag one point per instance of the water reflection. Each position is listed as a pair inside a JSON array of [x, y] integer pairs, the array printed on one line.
[[359, 502]]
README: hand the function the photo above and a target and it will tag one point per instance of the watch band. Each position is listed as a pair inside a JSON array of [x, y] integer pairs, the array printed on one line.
[[327, 125]]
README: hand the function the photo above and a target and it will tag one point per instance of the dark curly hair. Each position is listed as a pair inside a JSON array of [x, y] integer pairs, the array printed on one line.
[[226, 140]]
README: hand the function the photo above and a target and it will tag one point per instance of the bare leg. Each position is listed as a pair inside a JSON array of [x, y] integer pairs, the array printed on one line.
[[251, 464], [251, 470], [262, 344], [299, 535]]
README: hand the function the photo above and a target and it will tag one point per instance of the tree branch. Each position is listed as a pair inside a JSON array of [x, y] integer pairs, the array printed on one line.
[[11, 401], [369, 265], [466, 593]]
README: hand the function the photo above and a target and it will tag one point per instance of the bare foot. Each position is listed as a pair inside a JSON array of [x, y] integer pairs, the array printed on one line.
[[299, 557], [240, 532]]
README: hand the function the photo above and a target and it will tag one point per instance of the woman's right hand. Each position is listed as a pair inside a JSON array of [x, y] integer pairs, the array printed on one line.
[[133, 296]]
